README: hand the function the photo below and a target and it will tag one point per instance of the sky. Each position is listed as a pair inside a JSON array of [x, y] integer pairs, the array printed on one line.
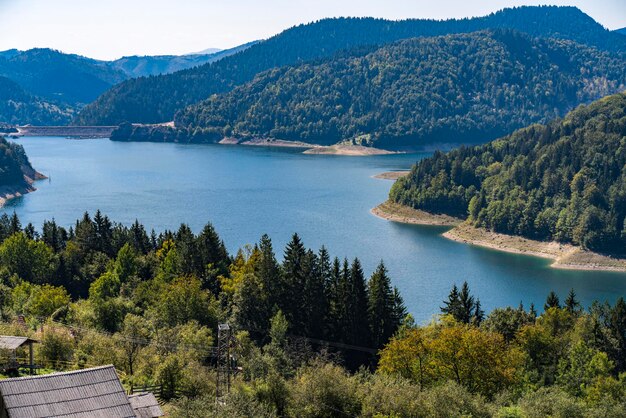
[[109, 29]]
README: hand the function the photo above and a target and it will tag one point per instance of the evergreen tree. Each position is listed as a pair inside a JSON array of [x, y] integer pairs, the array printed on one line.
[[381, 307], [314, 305], [213, 256], [571, 303], [294, 282], [269, 274], [452, 306], [400, 313], [479, 314], [15, 225], [357, 326], [467, 305], [552, 301], [190, 263]]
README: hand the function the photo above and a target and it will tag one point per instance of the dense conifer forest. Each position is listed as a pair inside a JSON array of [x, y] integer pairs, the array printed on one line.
[[312, 336], [562, 181], [157, 99], [456, 89]]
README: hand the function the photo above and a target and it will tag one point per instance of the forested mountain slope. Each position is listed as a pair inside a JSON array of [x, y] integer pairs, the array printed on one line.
[[15, 169], [156, 99], [450, 89], [53, 75], [19, 107], [563, 181], [52, 84]]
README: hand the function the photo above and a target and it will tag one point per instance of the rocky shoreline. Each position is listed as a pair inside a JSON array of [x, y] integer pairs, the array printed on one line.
[[565, 256]]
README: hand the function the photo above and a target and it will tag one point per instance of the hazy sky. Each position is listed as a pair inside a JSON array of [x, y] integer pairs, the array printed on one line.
[[108, 29]]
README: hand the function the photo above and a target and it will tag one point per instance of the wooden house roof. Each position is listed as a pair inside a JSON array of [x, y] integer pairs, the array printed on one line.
[[95, 392]]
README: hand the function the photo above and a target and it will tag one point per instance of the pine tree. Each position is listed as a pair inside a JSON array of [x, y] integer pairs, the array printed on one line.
[[381, 307], [467, 305], [294, 282], [400, 313], [479, 314], [268, 272], [571, 303], [452, 306], [314, 305], [212, 251], [552, 301], [15, 225], [532, 311], [358, 327]]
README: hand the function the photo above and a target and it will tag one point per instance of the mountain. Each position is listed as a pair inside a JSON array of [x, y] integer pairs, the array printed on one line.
[[454, 88], [53, 75], [206, 51], [20, 107], [563, 181], [52, 84], [621, 31], [157, 99], [141, 66]]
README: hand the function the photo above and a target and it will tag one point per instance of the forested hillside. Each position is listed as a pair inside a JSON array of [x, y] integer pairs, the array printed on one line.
[[455, 88], [43, 86], [563, 181], [60, 77], [104, 293], [156, 99], [14, 165], [19, 107]]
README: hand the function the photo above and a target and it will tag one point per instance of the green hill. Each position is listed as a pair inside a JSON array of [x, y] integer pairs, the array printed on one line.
[[157, 99], [20, 107], [563, 181], [450, 89], [15, 169]]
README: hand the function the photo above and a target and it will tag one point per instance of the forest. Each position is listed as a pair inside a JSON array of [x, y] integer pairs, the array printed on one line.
[[313, 337], [466, 88], [17, 106], [156, 99], [15, 169], [562, 181]]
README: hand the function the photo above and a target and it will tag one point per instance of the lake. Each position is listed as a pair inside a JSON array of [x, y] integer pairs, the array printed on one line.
[[248, 191]]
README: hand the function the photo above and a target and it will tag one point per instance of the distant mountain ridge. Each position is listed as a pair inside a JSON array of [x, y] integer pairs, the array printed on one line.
[[157, 99], [462, 88], [69, 81]]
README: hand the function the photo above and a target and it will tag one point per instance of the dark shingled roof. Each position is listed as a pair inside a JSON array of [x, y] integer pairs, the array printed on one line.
[[95, 392], [9, 342], [145, 405]]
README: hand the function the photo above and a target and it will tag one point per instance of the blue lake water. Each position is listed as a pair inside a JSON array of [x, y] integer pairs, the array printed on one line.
[[248, 191]]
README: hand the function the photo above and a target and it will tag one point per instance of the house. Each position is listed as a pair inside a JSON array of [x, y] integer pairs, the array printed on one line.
[[95, 392]]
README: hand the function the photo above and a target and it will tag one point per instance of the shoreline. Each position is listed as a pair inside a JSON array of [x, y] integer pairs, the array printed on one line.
[[564, 256], [344, 150], [11, 192], [397, 213], [392, 175]]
